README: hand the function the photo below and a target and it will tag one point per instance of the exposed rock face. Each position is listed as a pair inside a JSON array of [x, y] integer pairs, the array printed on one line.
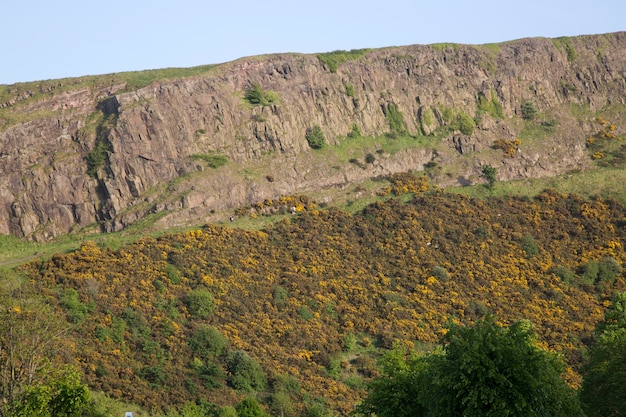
[[154, 132]]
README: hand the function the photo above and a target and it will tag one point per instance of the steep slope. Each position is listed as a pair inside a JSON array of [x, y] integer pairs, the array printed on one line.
[[315, 298], [99, 150]]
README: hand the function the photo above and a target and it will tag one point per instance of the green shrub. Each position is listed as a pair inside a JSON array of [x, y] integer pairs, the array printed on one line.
[[349, 342], [76, 310], [137, 323], [280, 296], [155, 375], [355, 131], [249, 407], [440, 273], [447, 114], [394, 118], [466, 124], [213, 160], [476, 309], [608, 269], [172, 273], [491, 106], [207, 342], [565, 274], [529, 111], [199, 303], [370, 158], [315, 137], [245, 373], [227, 411], [349, 89], [589, 272], [211, 374], [305, 313], [566, 43], [529, 245], [490, 174], [97, 158], [256, 96]]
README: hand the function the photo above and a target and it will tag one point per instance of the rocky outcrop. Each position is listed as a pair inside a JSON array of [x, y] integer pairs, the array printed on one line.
[[155, 141]]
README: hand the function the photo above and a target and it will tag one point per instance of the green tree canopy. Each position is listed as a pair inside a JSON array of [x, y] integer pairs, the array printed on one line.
[[603, 392], [249, 407], [484, 370], [62, 396], [490, 174], [315, 137]]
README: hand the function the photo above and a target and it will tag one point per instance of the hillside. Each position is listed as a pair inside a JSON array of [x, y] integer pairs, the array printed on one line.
[[190, 146], [314, 299]]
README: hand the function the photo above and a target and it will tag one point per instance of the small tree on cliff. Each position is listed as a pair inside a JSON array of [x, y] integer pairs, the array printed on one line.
[[315, 137], [490, 173]]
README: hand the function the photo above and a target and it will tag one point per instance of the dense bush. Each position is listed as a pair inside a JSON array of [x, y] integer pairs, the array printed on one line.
[[255, 95], [207, 342], [245, 373], [315, 137], [529, 111], [199, 303]]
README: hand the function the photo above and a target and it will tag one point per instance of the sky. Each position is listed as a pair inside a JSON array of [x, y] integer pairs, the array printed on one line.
[[43, 39]]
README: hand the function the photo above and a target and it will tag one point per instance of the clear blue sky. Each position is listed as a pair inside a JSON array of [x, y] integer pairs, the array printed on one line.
[[43, 39]]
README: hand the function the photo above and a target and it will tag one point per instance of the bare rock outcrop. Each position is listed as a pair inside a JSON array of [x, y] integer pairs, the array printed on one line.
[[151, 141]]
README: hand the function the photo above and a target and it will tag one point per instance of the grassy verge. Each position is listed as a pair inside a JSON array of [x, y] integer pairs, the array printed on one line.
[[602, 182]]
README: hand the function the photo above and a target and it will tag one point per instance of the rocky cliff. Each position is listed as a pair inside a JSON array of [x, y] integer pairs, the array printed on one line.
[[98, 150]]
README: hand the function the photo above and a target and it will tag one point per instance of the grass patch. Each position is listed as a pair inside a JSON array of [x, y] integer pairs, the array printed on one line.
[[358, 147], [536, 132], [332, 60], [565, 43], [212, 160], [603, 182], [22, 94], [445, 45]]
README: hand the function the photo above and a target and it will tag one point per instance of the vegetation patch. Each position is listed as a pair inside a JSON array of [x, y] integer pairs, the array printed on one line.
[[100, 123], [491, 105], [212, 160], [332, 60], [445, 46], [509, 147], [565, 43], [605, 147], [256, 96], [315, 137], [395, 119]]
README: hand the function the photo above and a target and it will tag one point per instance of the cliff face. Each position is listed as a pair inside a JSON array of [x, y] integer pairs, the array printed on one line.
[[153, 139]]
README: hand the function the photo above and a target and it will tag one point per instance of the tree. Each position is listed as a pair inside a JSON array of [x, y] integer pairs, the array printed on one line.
[[199, 303], [398, 391], [483, 370], [315, 137], [529, 111], [603, 392], [245, 373], [249, 407], [62, 396], [30, 337], [488, 370], [255, 95], [490, 173]]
